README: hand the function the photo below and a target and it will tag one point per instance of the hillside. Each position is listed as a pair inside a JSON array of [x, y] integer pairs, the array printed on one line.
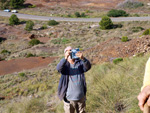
[[28, 76]]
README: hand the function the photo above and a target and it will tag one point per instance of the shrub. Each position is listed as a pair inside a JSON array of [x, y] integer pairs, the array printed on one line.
[[117, 60], [124, 39], [44, 26], [5, 51], [31, 6], [116, 13], [22, 74], [146, 32], [52, 22], [34, 42], [77, 14], [13, 20], [106, 23], [29, 25], [83, 15], [137, 29], [30, 55]]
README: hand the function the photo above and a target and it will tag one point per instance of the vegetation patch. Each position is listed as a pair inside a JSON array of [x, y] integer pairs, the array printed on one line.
[[13, 20], [106, 23], [60, 41], [124, 39], [117, 13], [34, 42], [52, 22], [117, 60], [146, 32]]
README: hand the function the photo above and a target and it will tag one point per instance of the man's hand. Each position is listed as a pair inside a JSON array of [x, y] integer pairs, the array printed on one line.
[[143, 97], [80, 55], [67, 54]]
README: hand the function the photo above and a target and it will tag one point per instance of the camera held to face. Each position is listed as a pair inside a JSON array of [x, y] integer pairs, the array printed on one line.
[[73, 53]]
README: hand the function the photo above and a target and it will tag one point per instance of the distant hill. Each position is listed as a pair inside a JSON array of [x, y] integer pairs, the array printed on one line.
[[82, 3]]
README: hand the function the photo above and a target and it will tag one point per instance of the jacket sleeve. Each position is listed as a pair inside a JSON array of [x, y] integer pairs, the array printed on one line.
[[146, 80], [86, 65], [60, 65]]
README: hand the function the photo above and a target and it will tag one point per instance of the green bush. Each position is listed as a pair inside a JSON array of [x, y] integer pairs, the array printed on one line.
[[29, 25], [34, 42], [77, 14], [5, 51], [52, 22], [117, 13], [117, 60], [146, 32], [13, 20], [124, 39], [30, 55], [44, 26], [22, 74], [31, 6], [106, 23]]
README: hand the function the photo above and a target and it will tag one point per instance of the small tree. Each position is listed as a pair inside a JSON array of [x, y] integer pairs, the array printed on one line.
[[13, 20], [29, 25], [16, 3], [77, 14], [106, 23]]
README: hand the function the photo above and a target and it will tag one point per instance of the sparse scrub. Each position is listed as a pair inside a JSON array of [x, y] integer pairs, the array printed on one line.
[[124, 39], [106, 23], [117, 60], [117, 13], [137, 29], [13, 20], [34, 42], [60, 41], [29, 25], [77, 14], [52, 22], [130, 4]]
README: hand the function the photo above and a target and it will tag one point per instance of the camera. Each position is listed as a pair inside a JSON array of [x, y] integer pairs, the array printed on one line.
[[73, 53]]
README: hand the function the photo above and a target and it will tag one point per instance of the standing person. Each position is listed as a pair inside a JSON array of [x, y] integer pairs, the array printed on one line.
[[72, 84], [144, 95]]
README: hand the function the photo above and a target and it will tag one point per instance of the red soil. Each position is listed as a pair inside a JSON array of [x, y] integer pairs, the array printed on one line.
[[17, 65]]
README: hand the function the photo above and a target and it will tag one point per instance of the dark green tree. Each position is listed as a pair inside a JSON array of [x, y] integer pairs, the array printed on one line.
[[29, 25], [16, 3], [4, 4], [106, 23], [13, 20]]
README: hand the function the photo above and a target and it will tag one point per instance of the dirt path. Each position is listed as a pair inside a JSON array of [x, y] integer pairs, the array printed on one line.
[[17, 65]]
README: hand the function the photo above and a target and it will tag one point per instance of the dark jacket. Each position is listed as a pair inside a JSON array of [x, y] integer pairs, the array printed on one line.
[[63, 67]]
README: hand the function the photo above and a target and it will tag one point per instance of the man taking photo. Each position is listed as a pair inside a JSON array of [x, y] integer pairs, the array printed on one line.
[[72, 85]]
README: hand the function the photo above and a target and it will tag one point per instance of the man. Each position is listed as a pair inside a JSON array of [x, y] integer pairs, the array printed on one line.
[[72, 84], [144, 95]]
